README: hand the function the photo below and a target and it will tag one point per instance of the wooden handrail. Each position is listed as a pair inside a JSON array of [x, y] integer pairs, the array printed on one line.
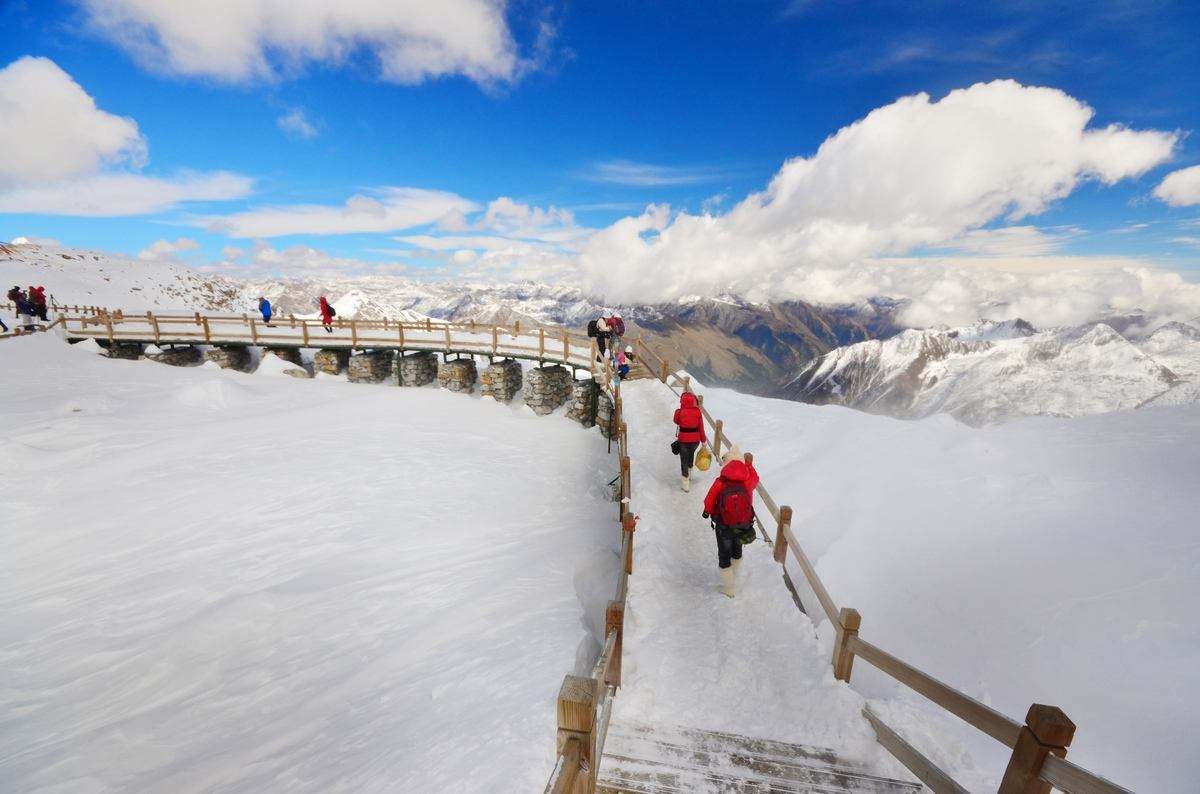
[[566, 769], [1065, 776], [925, 770]]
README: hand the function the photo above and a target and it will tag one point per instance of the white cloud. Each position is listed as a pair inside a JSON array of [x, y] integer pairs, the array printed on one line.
[[167, 249], [913, 174], [232, 252], [295, 124], [1180, 188], [240, 41], [51, 129], [1008, 241], [627, 172], [113, 195], [388, 209]]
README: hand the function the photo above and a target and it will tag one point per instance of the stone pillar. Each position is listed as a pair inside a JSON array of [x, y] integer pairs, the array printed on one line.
[[289, 354], [180, 356], [502, 380], [130, 351], [604, 416], [546, 388], [458, 375], [237, 358], [374, 366], [331, 360], [584, 394], [416, 369]]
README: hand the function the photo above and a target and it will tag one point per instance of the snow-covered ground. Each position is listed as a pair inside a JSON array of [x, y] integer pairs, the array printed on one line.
[[1045, 560], [224, 582]]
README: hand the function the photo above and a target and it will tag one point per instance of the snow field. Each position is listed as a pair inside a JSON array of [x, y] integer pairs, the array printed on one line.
[[1045, 560], [216, 581]]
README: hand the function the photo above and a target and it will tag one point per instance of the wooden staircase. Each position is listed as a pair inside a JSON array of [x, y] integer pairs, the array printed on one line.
[[664, 760]]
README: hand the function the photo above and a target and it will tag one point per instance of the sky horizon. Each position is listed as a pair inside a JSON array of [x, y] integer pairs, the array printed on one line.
[[962, 158]]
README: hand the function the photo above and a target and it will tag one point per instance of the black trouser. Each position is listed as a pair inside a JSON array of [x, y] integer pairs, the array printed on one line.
[[728, 547], [687, 455], [601, 339]]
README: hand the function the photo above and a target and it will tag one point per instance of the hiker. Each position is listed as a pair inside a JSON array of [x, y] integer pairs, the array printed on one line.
[[616, 326], [327, 314], [624, 361], [730, 506], [598, 330], [689, 435], [37, 297], [25, 313], [264, 306]]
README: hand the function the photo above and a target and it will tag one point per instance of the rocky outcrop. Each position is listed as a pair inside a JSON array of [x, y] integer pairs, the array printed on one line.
[[605, 416], [501, 380], [416, 369], [180, 356], [236, 358], [458, 375], [546, 388], [331, 361], [584, 398], [373, 366], [290, 354]]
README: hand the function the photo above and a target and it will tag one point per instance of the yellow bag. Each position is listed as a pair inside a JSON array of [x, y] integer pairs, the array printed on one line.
[[703, 459]]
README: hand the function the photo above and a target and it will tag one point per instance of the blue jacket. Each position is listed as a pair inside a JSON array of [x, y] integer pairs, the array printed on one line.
[[264, 306]]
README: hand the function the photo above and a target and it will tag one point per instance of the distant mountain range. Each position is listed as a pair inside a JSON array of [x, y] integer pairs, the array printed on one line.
[[857, 356]]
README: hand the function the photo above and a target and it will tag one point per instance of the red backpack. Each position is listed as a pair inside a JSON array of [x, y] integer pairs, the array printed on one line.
[[735, 507]]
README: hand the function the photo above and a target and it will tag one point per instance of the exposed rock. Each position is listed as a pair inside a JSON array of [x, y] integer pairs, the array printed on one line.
[[457, 375], [546, 388], [605, 416], [501, 380], [374, 366], [331, 360], [237, 358], [291, 354], [130, 351], [416, 369], [584, 398], [180, 356]]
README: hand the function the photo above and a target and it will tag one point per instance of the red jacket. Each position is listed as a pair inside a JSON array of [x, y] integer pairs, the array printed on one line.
[[615, 325], [690, 420], [326, 315], [734, 471]]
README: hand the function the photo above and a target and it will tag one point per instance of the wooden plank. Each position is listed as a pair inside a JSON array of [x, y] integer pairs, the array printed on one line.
[[353, 333], [781, 533], [304, 331], [1065, 776], [924, 769], [566, 769], [965, 707], [814, 581], [848, 623]]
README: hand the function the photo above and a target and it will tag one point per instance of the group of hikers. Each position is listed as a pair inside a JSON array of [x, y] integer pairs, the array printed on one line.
[[729, 503], [607, 331], [327, 312], [30, 307]]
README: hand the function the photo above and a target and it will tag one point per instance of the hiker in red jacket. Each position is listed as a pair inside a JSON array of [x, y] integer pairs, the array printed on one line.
[[327, 314], [730, 505], [690, 434]]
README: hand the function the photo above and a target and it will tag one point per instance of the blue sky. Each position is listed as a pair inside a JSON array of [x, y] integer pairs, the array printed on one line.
[[608, 108]]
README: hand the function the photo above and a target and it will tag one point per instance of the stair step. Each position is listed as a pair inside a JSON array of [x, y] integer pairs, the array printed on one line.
[[645, 760]]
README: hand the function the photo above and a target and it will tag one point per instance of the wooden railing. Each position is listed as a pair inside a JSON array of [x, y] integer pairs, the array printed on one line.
[[585, 703], [1039, 744]]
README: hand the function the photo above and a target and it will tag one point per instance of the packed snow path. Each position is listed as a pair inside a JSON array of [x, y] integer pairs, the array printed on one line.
[[698, 659]]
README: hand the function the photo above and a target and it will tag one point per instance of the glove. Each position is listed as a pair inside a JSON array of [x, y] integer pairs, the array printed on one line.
[[704, 514]]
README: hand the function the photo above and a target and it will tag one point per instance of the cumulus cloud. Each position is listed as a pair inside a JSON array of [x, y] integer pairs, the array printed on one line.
[[167, 249], [62, 155], [386, 209], [113, 195], [1180, 188], [295, 124], [911, 175], [240, 41], [51, 129]]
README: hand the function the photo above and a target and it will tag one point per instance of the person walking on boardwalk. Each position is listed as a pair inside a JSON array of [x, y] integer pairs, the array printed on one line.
[[327, 314], [624, 362], [264, 306], [730, 506], [689, 421], [37, 297], [598, 330]]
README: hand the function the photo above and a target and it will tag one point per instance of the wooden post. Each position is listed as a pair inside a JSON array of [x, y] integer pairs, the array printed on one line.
[[197, 317], [849, 622], [447, 338], [108, 322], [628, 525], [400, 333], [625, 479], [495, 339], [472, 326], [154, 324], [516, 328], [566, 347], [716, 442], [785, 523], [664, 373], [541, 343], [1047, 730], [207, 332], [614, 620], [253, 330], [353, 334], [428, 325], [576, 720], [292, 321], [687, 383]]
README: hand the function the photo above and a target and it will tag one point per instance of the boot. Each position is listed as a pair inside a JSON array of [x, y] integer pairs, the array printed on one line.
[[737, 564], [687, 484], [727, 587]]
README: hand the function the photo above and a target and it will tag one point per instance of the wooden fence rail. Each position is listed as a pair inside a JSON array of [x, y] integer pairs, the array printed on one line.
[[1039, 746]]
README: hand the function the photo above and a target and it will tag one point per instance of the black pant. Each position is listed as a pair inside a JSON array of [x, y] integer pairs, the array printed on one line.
[[601, 339], [728, 547], [687, 455]]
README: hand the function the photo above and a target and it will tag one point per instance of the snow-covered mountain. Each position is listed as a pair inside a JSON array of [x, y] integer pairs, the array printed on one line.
[[992, 372]]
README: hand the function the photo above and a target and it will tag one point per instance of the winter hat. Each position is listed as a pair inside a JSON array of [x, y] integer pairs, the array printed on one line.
[[629, 350], [733, 453], [600, 324]]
